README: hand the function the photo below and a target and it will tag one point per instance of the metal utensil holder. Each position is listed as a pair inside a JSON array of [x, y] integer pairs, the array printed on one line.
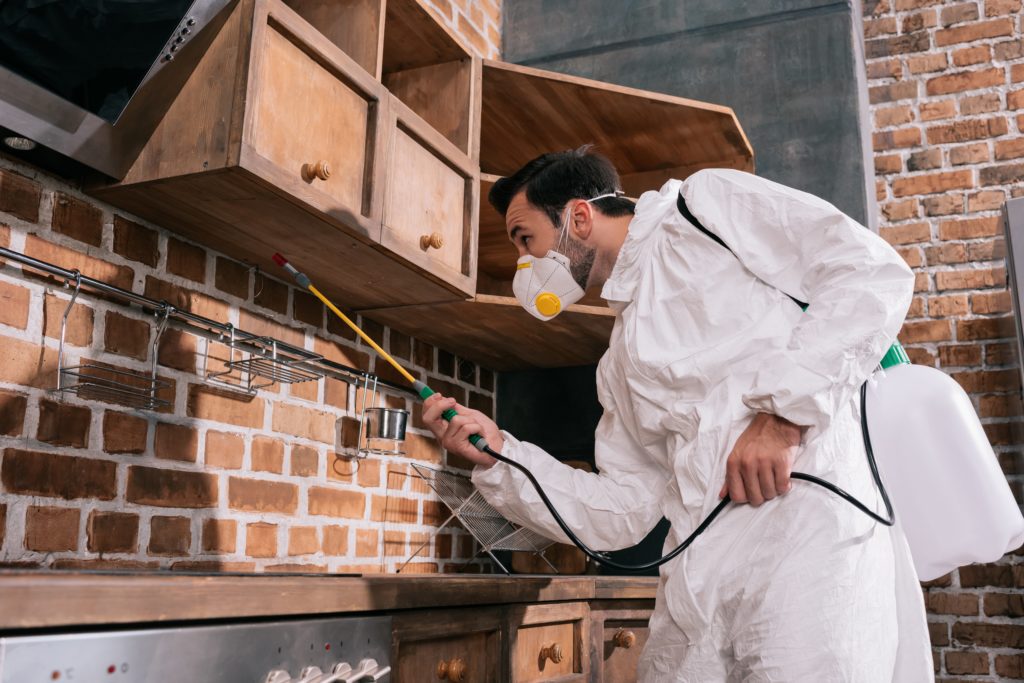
[[491, 530], [262, 360], [92, 380], [378, 424]]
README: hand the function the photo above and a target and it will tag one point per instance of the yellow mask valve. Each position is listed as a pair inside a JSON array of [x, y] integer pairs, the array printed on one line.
[[548, 303]]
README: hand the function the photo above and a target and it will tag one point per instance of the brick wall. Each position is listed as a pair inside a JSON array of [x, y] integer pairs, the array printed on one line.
[[946, 86], [477, 21]]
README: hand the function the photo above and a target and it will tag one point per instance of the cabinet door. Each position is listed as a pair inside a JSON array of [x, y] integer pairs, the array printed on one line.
[[455, 646], [618, 640], [546, 643], [430, 201]]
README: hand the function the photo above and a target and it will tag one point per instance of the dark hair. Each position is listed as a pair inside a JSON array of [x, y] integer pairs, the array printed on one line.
[[552, 180]]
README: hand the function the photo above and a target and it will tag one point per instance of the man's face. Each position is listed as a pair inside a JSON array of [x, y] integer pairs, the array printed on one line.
[[529, 228]]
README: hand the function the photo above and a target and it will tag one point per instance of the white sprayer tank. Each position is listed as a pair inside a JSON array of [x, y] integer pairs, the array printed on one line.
[[950, 496]]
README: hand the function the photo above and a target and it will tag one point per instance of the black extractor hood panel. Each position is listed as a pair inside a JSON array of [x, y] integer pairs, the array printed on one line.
[[90, 80]]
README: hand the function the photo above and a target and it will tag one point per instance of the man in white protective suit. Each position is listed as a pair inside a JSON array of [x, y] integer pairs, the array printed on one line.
[[716, 382]]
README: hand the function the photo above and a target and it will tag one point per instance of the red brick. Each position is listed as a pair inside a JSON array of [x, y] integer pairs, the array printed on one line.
[[78, 331], [224, 450], [336, 502], [232, 277], [261, 540], [219, 536], [126, 336], [960, 604], [482, 402], [51, 529], [1015, 99], [62, 424], [335, 540], [58, 476], [979, 278], [918, 64], [77, 219], [958, 662], [997, 7], [921, 20], [989, 635], [926, 331], [912, 255], [267, 455], [395, 544], [938, 634], [124, 433], [304, 422], [1010, 666], [112, 532], [918, 41], [956, 14], [14, 304], [169, 535], [1002, 175], [970, 228], [170, 488], [336, 392], [916, 309], [19, 196], [969, 56], [261, 325], [186, 260], [963, 81], [900, 234], [1008, 50], [307, 308], [305, 461], [892, 139], [963, 355], [924, 160], [987, 381], [933, 183], [136, 242], [888, 163], [932, 111], [947, 306], [12, 413], [974, 32], [1010, 149], [257, 495], [969, 129], [1004, 604], [191, 301], [207, 403], [944, 205], [1017, 73], [1000, 354], [1000, 405], [302, 540], [981, 104], [987, 250], [176, 442], [986, 200], [887, 68], [119, 276], [991, 302], [270, 294], [177, 349], [1006, 434], [950, 252], [341, 354], [985, 328]]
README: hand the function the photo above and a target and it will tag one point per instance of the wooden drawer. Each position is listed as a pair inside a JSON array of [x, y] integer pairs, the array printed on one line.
[[618, 636], [546, 643], [311, 120], [430, 200], [456, 646]]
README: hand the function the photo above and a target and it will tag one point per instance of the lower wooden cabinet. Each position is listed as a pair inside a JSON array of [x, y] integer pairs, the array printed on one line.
[[548, 642], [619, 631], [457, 646]]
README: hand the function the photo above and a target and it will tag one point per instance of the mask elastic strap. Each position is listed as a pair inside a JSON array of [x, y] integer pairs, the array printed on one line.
[[565, 222]]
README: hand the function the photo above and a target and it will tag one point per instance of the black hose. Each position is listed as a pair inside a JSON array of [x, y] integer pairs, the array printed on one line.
[[605, 560]]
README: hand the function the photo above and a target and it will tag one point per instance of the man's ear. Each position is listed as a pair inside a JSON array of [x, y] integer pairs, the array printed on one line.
[[582, 222]]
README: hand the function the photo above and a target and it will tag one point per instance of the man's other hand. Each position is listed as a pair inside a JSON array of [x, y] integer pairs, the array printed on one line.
[[454, 435], [759, 467]]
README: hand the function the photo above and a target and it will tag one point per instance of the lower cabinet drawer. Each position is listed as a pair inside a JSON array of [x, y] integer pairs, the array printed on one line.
[[454, 646], [546, 643], [619, 633]]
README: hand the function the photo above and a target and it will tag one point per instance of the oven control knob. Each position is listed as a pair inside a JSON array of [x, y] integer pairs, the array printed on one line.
[[277, 676], [310, 674]]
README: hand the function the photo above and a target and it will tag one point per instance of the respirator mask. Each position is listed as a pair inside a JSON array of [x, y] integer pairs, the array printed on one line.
[[545, 285]]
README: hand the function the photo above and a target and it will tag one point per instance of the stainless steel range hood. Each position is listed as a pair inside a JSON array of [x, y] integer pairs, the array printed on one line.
[[74, 77]]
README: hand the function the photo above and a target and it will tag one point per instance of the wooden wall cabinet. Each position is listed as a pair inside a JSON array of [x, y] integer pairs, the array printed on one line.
[[282, 141]]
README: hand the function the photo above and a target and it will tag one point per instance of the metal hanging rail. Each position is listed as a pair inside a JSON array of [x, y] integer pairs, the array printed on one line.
[[204, 327]]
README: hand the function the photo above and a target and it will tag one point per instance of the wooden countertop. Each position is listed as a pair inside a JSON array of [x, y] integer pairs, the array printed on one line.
[[46, 599]]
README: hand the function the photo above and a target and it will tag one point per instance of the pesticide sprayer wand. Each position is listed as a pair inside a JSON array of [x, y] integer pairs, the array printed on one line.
[[477, 440]]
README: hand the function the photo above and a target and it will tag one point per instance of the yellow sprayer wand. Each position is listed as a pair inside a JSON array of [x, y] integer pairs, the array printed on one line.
[[422, 389]]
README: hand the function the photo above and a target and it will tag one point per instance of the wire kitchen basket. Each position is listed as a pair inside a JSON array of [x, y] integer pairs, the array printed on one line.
[[491, 530], [93, 380], [261, 359]]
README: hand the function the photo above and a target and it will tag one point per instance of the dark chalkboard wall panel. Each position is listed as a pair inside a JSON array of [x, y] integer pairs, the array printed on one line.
[[791, 69]]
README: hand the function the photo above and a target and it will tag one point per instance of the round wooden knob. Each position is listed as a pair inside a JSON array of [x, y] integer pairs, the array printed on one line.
[[434, 240], [624, 639], [454, 671], [552, 652], [320, 169]]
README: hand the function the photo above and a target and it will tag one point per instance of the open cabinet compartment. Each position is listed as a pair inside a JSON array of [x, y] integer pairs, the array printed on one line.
[[525, 112], [280, 141]]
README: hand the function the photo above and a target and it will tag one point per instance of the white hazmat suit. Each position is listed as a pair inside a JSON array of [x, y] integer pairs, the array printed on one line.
[[804, 587]]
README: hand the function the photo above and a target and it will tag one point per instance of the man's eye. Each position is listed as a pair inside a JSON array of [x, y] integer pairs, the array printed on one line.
[[526, 241]]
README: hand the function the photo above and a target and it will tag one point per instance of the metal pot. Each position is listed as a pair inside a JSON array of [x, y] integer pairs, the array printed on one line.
[[386, 423]]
